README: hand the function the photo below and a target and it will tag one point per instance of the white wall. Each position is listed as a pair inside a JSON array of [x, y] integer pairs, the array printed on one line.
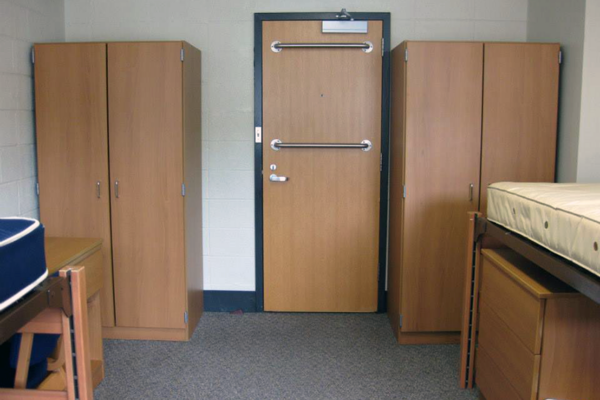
[[576, 25], [223, 30], [21, 24], [588, 166], [563, 22]]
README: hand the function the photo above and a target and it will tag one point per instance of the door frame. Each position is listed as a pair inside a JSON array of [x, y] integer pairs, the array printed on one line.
[[259, 18]]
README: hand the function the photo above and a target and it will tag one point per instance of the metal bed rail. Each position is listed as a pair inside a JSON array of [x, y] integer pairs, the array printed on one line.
[[563, 269], [53, 292]]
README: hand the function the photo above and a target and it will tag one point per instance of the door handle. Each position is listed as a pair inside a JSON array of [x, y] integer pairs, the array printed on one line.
[[98, 189], [471, 186], [117, 189], [275, 178]]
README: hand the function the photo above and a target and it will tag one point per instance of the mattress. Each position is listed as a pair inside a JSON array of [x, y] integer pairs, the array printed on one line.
[[22, 258], [562, 217]]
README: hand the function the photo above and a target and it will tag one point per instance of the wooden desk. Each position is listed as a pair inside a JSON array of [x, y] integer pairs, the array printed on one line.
[[62, 252]]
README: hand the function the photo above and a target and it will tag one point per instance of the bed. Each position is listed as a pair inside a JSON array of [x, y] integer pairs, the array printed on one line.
[[32, 303], [555, 226], [22, 260], [563, 218]]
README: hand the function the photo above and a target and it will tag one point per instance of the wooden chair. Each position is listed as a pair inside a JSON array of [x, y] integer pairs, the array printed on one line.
[[61, 383]]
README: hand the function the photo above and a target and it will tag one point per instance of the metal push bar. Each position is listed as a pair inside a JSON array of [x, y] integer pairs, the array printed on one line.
[[277, 144], [277, 46]]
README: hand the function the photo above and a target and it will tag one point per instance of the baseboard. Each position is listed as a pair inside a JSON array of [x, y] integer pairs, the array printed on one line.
[[428, 337], [233, 300], [127, 333], [229, 300]]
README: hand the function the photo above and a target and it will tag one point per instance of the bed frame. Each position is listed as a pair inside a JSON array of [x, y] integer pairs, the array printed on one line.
[[57, 306], [484, 233]]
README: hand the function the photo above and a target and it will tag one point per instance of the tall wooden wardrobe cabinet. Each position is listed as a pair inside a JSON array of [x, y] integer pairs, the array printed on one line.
[[119, 158], [464, 115]]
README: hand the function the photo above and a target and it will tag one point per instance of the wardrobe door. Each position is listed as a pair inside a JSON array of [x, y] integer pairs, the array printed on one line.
[[146, 169], [520, 103], [442, 158], [397, 170], [72, 147]]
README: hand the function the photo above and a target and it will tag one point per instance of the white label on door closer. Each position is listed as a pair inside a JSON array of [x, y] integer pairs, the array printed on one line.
[[345, 26]]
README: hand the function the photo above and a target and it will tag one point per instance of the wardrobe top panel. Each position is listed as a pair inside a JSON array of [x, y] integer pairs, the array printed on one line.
[[477, 41], [117, 41]]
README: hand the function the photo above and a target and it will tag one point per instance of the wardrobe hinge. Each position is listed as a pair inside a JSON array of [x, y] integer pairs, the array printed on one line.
[[382, 46], [560, 57], [32, 55], [405, 55], [380, 162], [37, 188], [181, 54], [403, 191], [400, 320], [185, 317], [183, 189]]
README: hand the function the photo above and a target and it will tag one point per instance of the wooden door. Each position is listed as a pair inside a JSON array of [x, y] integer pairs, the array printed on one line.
[[146, 150], [321, 228], [443, 138], [520, 108], [72, 148]]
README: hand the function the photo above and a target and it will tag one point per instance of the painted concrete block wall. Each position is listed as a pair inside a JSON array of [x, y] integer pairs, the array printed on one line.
[[563, 22], [576, 25], [588, 165], [223, 30], [22, 22]]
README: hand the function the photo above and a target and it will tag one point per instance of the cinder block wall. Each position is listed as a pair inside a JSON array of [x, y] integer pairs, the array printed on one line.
[[223, 30], [21, 24]]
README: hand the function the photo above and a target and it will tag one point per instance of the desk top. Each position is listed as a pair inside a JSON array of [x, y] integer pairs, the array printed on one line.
[[61, 252]]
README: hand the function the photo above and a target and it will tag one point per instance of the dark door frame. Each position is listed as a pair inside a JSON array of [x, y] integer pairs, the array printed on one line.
[[258, 153]]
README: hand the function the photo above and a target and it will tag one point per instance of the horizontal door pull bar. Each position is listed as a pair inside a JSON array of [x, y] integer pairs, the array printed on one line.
[[365, 145], [276, 46]]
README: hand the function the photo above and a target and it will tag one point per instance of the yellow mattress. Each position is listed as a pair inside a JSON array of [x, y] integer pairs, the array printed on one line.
[[562, 217]]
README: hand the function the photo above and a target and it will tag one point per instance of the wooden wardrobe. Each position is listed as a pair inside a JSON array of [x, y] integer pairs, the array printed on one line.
[[119, 158], [464, 115]]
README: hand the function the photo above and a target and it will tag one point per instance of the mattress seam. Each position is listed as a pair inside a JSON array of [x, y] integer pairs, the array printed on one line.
[[22, 233], [23, 291]]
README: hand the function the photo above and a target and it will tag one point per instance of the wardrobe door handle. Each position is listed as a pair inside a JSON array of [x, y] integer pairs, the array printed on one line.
[[117, 189], [98, 189], [471, 186]]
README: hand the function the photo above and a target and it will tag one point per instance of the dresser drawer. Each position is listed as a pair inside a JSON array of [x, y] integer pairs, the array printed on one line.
[[490, 380], [519, 365], [516, 307]]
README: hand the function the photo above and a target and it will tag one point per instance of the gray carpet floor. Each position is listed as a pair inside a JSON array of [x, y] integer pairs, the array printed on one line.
[[283, 356]]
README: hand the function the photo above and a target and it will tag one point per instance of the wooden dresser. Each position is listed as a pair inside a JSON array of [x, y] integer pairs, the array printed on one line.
[[538, 338]]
